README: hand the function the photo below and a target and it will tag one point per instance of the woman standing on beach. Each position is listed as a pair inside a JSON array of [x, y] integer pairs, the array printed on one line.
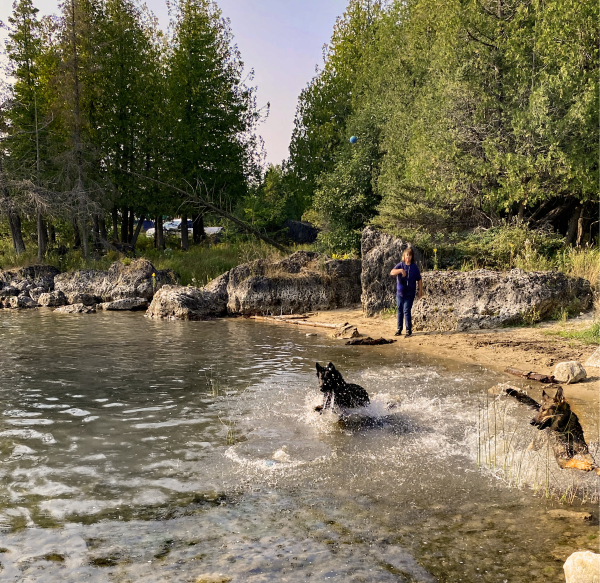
[[407, 277]]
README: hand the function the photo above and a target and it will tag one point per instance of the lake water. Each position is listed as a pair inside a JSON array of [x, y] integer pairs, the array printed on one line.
[[136, 450]]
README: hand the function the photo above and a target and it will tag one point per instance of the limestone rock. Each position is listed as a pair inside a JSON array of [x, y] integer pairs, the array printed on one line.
[[594, 360], [119, 282], [126, 304], [76, 309], [455, 300], [302, 282], [582, 567], [569, 372], [34, 276], [22, 302], [82, 298], [8, 292], [173, 302], [346, 332], [52, 299], [36, 292], [380, 254]]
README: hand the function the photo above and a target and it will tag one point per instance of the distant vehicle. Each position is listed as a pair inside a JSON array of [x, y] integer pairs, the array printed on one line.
[[174, 228]]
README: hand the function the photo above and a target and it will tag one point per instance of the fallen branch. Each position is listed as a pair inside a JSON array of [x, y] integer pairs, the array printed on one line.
[[532, 376], [368, 342], [298, 322]]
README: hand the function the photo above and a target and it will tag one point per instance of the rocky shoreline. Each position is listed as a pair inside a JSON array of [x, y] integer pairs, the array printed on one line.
[[304, 282]]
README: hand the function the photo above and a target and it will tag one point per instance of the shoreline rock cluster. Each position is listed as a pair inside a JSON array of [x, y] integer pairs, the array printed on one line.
[[304, 282]]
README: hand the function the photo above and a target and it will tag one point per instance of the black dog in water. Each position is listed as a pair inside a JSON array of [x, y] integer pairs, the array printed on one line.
[[338, 393]]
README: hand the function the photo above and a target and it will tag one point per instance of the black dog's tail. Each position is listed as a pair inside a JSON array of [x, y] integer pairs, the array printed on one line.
[[523, 398]]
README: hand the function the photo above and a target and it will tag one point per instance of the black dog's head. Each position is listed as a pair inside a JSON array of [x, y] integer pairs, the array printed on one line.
[[552, 410], [329, 377]]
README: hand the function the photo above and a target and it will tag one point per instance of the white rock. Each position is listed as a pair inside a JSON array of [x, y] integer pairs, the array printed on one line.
[[582, 567], [569, 372], [594, 360], [76, 309]]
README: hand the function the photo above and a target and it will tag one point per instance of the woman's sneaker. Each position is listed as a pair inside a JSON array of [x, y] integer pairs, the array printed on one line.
[[408, 334], [398, 333]]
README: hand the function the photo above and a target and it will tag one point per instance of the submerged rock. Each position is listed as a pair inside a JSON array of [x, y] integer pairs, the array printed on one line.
[[119, 282], [569, 372], [174, 302], [582, 567], [127, 304], [380, 254], [76, 309], [456, 300], [53, 299]]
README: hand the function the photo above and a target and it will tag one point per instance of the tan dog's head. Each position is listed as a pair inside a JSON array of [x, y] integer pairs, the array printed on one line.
[[552, 409]]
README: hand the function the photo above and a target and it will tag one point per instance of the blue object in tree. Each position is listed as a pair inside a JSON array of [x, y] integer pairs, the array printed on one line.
[[353, 140]]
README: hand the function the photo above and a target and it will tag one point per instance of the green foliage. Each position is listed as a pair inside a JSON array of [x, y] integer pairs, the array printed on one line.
[[587, 335]]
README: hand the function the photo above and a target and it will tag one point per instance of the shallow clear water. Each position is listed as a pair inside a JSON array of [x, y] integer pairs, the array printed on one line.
[[170, 451]]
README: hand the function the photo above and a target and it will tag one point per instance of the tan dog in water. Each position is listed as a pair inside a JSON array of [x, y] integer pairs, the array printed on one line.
[[563, 429]]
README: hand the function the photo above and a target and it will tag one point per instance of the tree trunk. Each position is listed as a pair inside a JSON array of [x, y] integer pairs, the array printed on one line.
[[185, 241], [521, 212], [160, 235], [131, 226], [136, 233], [103, 228], [124, 225], [115, 224], [96, 231], [51, 234], [76, 235], [84, 237], [42, 237], [573, 223], [198, 229], [14, 221], [580, 222]]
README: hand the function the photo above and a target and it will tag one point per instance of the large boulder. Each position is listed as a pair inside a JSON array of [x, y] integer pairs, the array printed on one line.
[[137, 279], [302, 282], [380, 254], [173, 302], [27, 278], [569, 372], [300, 232], [22, 302], [582, 567], [456, 300], [53, 299]]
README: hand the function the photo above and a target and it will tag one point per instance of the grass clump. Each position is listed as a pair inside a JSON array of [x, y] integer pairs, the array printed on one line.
[[588, 335]]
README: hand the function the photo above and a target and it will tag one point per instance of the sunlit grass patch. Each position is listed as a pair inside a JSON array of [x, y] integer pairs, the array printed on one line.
[[587, 335]]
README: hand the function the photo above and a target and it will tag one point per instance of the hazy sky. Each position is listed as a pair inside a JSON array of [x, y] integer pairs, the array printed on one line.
[[281, 40]]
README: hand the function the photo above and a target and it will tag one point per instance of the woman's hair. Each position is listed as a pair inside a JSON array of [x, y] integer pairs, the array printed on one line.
[[408, 250]]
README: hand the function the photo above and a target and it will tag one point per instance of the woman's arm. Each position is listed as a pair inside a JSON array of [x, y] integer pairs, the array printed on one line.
[[420, 288], [396, 272]]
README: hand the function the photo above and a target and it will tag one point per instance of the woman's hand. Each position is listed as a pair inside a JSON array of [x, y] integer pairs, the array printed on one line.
[[396, 272]]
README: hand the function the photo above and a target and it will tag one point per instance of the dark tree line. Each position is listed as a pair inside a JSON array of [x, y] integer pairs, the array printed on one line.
[[109, 121]]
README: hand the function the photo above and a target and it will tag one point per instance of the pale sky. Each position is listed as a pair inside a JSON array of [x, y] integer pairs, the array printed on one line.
[[281, 40]]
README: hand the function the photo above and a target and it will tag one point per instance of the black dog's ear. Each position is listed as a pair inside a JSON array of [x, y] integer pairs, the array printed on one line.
[[559, 397], [330, 366], [544, 396], [319, 367]]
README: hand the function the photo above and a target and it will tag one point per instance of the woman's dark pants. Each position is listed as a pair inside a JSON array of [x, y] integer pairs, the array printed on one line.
[[404, 308]]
